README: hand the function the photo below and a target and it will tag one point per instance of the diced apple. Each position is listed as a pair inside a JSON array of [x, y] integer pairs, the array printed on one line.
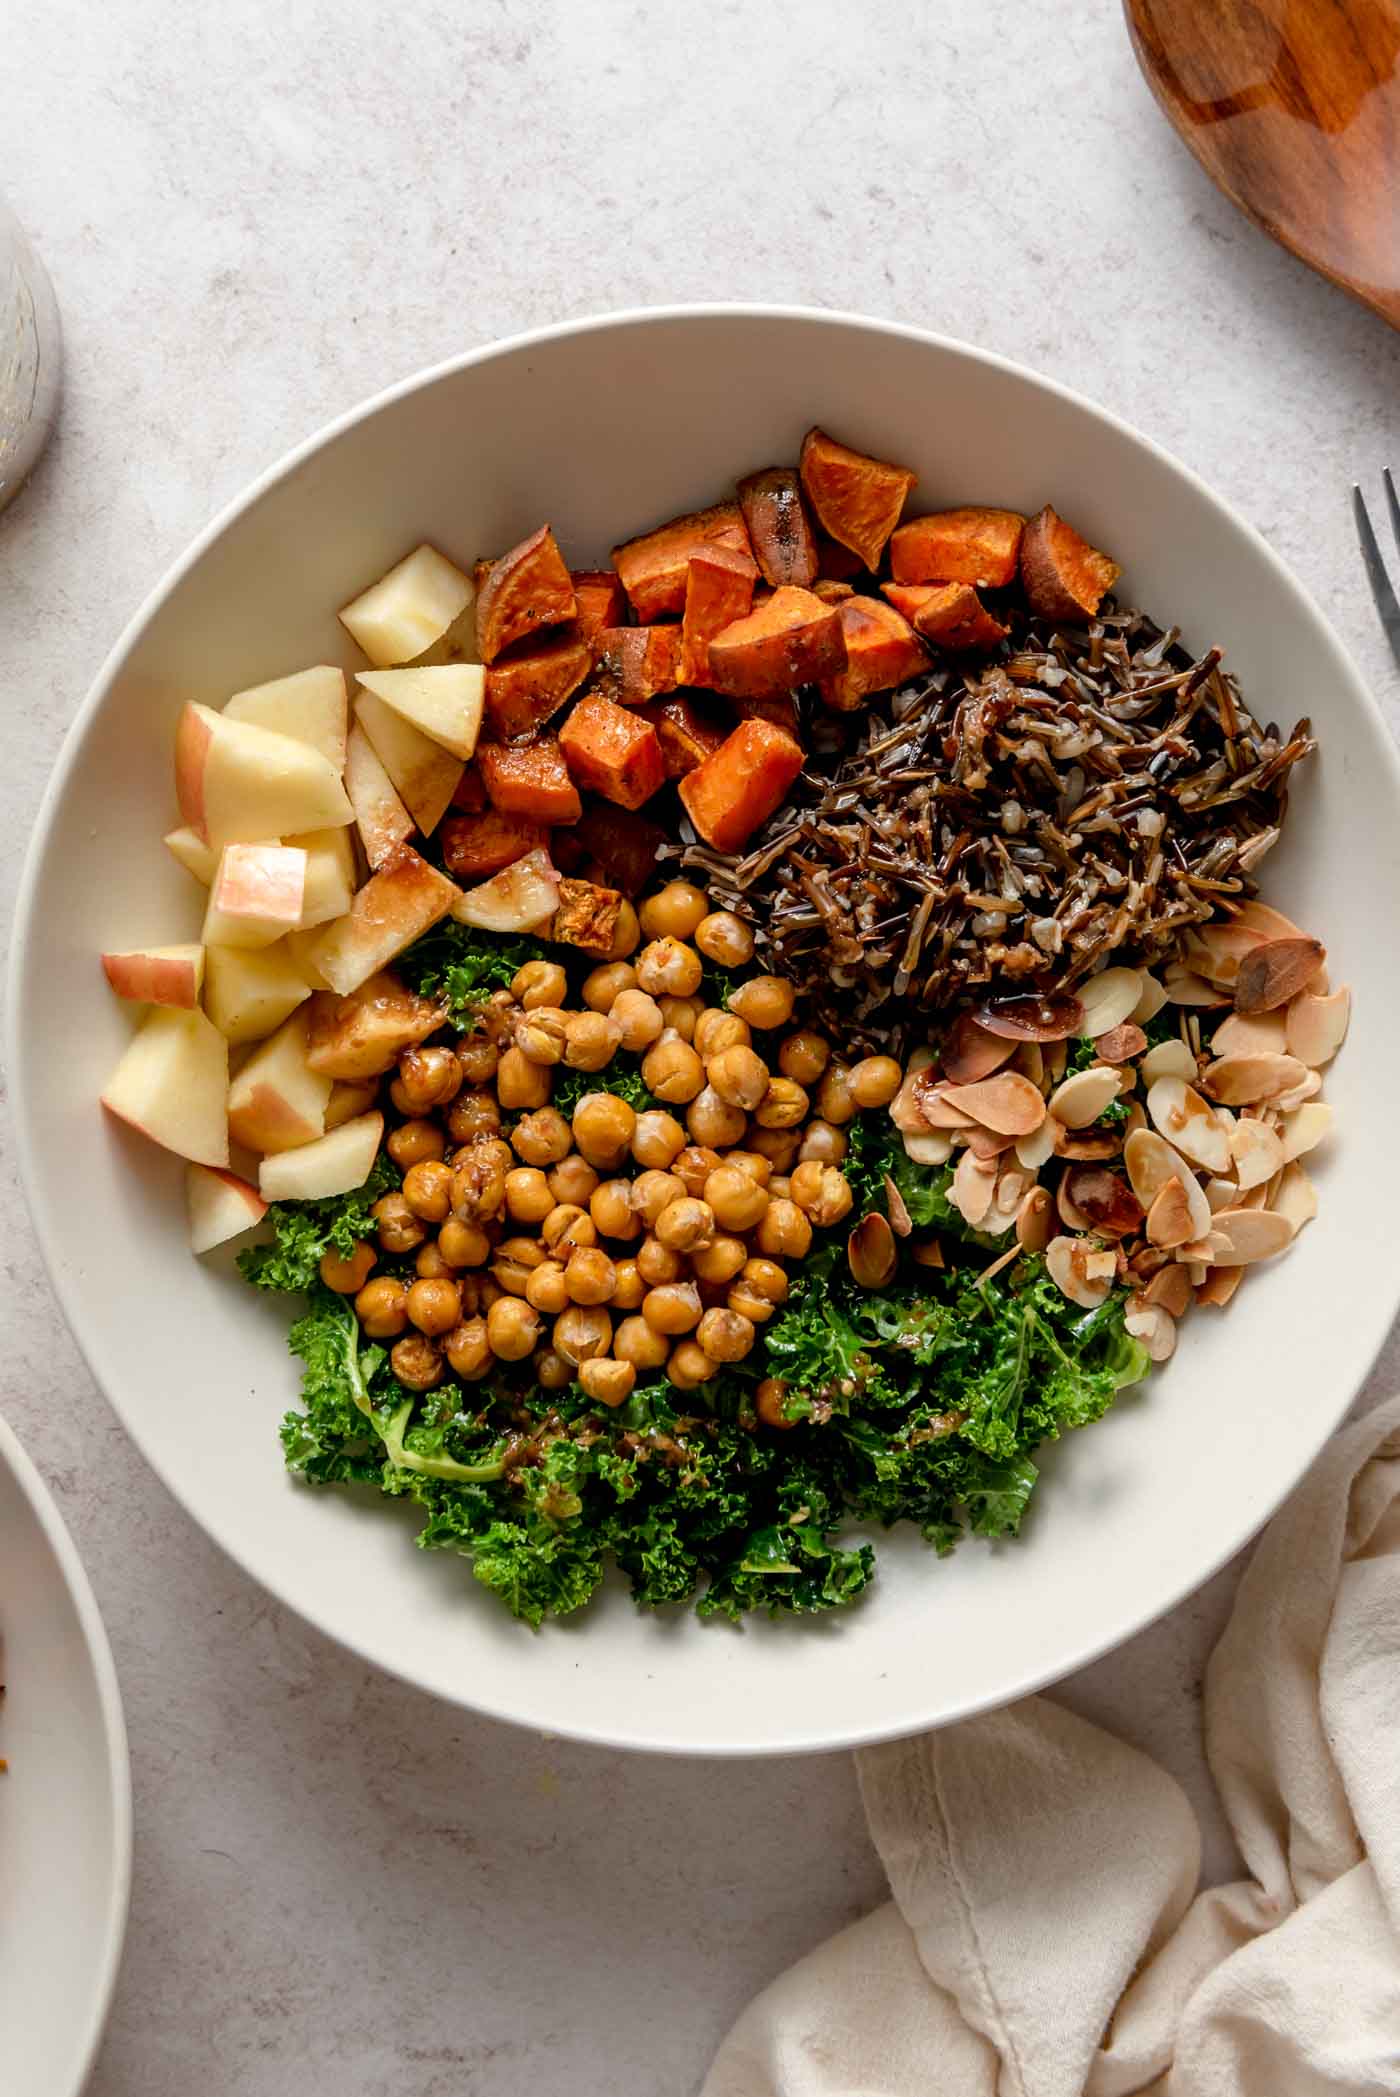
[[238, 782], [257, 895], [346, 1101], [517, 899], [299, 945], [220, 1205], [330, 875], [363, 1035], [194, 855], [277, 1102], [172, 1085], [310, 706], [444, 700], [380, 816], [424, 775], [422, 607], [157, 975], [248, 993], [336, 1163], [396, 906]]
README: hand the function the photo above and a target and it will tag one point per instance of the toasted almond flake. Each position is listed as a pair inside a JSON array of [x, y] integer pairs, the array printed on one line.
[[901, 1222], [1101, 1266], [1033, 1220], [1056, 1054], [1007, 1103], [985, 1142], [1038, 1148], [1298, 1095], [1266, 921], [1171, 1288], [1256, 1151], [1221, 1194], [1185, 1119], [1151, 1163], [1012, 1186], [1153, 1325], [1199, 1252], [971, 1189], [1250, 1034], [1247, 1235], [1088, 1146], [1216, 951], [871, 1252], [1296, 1200], [1185, 987], [1218, 1285], [904, 1109], [1108, 999], [969, 1052], [1169, 1218], [988, 1274], [1317, 1027], [1121, 1044], [1170, 1059], [1320, 984], [1305, 1128], [1070, 1213], [1243, 1081], [933, 1149], [939, 1112], [1029, 1059], [1150, 1003], [1276, 971], [1080, 1100], [1065, 1260]]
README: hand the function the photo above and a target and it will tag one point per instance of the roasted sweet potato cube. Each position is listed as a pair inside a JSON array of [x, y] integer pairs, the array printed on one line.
[[882, 651], [527, 686], [477, 846], [622, 844], [832, 592], [784, 544], [654, 567], [587, 917], [737, 789], [968, 546], [364, 1034], [1065, 577], [612, 751], [857, 499], [687, 733], [601, 600], [838, 564], [779, 708], [633, 663], [951, 615], [530, 780], [791, 639], [718, 590], [527, 588], [469, 794]]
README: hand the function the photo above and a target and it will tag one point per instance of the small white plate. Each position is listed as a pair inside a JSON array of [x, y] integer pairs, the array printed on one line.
[[65, 1801]]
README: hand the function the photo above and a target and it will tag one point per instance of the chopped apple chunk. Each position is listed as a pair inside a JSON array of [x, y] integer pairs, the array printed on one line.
[[443, 700], [310, 706], [424, 775], [157, 975], [172, 1085], [277, 1102], [238, 782], [423, 606], [396, 906], [335, 1163], [257, 895], [220, 1206]]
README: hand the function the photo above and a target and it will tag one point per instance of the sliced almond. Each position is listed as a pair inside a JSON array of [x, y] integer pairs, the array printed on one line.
[[1320, 984], [1317, 1027], [1121, 1044], [1244, 1081], [901, 1222], [1266, 921], [1298, 1095], [1218, 1285], [1185, 987], [969, 1052], [871, 1252], [1250, 1034], [1108, 999], [1033, 1220], [972, 1189], [1012, 1185], [933, 1149], [1088, 1146], [939, 1112], [984, 1143], [1029, 1059], [1171, 1288], [1276, 971], [1170, 1059], [1247, 1235], [1151, 1163], [1169, 1218], [1103, 1198], [1216, 951], [1070, 1214], [1296, 1200], [1150, 1003], [1153, 1325], [1305, 1128], [1256, 1151], [1181, 1115], [1101, 1265], [1066, 1260], [1007, 1103], [1221, 1194], [1080, 1100], [1038, 1148]]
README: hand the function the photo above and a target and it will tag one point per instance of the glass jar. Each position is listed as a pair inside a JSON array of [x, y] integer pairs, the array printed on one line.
[[30, 356]]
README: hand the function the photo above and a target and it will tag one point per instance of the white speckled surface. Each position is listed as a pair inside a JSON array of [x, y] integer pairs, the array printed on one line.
[[254, 216]]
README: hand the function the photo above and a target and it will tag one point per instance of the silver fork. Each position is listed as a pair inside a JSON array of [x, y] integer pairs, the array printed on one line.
[[1382, 589]]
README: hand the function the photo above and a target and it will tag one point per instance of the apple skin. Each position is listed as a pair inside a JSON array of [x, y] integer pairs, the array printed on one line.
[[172, 1085], [157, 975], [396, 905], [257, 896], [277, 1102], [237, 782], [220, 1206], [336, 1163]]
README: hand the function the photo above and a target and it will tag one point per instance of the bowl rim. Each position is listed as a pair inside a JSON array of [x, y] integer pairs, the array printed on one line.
[[1094, 1646], [20, 1465]]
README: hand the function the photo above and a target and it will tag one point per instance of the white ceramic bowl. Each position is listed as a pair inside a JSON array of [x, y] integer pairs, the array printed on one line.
[[605, 427], [65, 1801]]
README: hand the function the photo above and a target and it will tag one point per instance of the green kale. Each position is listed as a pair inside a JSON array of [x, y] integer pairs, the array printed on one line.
[[571, 1085], [303, 1230], [462, 966]]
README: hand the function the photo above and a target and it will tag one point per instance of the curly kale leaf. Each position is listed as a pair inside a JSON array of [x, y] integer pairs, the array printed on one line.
[[461, 966], [571, 1085], [303, 1230]]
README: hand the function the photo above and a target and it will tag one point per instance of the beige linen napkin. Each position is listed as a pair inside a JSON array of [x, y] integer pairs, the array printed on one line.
[[1043, 1939]]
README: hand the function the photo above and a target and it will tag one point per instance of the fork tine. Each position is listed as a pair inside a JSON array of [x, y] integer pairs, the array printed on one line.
[[1393, 504], [1381, 590]]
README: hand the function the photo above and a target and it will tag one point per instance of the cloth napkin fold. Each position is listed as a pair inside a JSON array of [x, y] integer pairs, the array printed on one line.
[[1045, 1938]]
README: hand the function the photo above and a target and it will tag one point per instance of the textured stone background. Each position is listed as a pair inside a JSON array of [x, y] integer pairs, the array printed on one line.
[[255, 215]]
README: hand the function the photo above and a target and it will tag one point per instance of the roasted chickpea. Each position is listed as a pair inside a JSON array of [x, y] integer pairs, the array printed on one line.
[[478, 1056], [603, 1127], [784, 1233], [657, 1138], [717, 1030], [651, 1191], [582, 1332], [567, 1226], [689, 1366], [603, 986], [780, 1187], [764, 1001], [724, 939], [399, 1229], [629, 1288], [497, 1016], [572, 1180], [463, 1244], [545, 1290], [753, 1163], [590, 1276], [552, 1372], [607, 1382], [382, 1307], [747, 1305], [472, 1116], [491, 1151], [468, 1349], [680, 1015], [398, 1097], [590, 1040], [736, 1198], [765, 1279], [685, 1224], [783, 1105], [770, 1399], [672, 1307], [429, 1264], [804, 1055], [415, 1361], [347, 1276], [542, 1138], [469, 1286], [528, 1199], [711, 1120], [513, 1328], [669, 968], [478, 1185], [429, 1077], [434, 1306], [415, 1143], [539, 1035], [720, 1260], [672, 1070], [725, 1335], [427, 1188], [693, 1166], [778, 1146], [628, 935], [823, 1141], [539, 983], [521, 1083], [739, 1077], [674, 911], [639, 1017], [641, 1344], [834, 1101], [657, 1264], [822, 1192], [875, 1080]]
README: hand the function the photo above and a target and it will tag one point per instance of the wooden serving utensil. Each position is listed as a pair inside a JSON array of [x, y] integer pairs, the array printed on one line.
[[1293, 108]]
